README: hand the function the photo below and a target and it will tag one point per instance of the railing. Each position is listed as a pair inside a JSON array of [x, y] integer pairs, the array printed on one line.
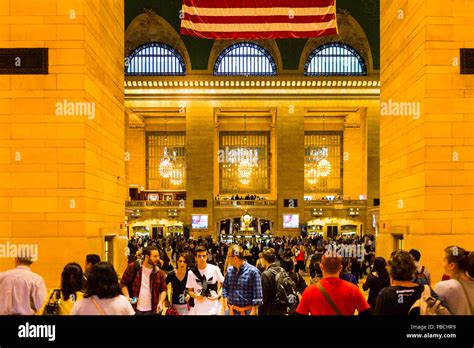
[[141, 204], [258, 202], [332, 203]]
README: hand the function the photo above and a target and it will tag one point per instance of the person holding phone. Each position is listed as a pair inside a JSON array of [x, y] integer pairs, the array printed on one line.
[[146, 283]]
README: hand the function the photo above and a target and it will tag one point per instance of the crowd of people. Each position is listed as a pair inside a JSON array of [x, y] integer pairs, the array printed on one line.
[[178, 276], [247, 197]]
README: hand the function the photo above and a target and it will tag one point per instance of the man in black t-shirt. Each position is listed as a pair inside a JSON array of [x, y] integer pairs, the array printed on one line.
[[400, 297]]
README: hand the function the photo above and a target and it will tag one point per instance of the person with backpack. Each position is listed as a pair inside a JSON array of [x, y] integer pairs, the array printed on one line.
[[145, 285], [242, 288], [289, 266], [422, 274], [404, 296], [332, 295], [279, 291], [458, 291]]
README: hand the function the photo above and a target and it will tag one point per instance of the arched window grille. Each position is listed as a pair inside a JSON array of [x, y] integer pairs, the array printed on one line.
[[155, 59], [335, 59], [245, 59]]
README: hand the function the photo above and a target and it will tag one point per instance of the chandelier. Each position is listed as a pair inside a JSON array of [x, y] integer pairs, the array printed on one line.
[[311, 174], [245, 171], [323, 168], [177, 175], [166, 167], [247, 162]]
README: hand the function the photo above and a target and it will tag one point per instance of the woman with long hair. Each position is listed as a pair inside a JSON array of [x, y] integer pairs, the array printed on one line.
[[178, 279], [458, 291], [103, 295], [376, 280], [71, 290]]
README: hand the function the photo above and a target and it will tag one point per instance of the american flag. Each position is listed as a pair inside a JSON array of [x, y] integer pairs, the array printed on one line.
[[258, 19]]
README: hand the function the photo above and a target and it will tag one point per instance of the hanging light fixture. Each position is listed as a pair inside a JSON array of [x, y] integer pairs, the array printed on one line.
[[245, 171], [324, 166], [176, 177], [166, 167], [311, 173], [245, 167]]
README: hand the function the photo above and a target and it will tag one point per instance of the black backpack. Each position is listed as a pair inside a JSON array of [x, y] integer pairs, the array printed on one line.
[[286, 296]]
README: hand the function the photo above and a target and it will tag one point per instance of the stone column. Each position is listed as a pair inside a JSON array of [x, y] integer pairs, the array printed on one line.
[[62, 177], [427, 128]]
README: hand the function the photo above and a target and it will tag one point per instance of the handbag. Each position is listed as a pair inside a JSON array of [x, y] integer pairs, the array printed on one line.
[[171, 311], [52, 307]]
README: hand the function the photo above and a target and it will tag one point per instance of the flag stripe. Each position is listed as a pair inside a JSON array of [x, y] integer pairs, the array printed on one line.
[[258, 19], [258, 27], [256, 11], [257, 3], [252, 35]]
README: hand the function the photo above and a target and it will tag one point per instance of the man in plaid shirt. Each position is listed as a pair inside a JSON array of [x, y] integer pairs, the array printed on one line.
[[146, 283], [242, 288]]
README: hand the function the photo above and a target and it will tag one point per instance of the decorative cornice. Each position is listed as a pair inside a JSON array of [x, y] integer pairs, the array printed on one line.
[[146, 86]]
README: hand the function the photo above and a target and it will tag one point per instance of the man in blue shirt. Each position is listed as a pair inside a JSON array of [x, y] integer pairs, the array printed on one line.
[[242, 288]]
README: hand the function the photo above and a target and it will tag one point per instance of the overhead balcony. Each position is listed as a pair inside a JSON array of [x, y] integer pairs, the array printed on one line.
[[155, 204], [245, 203]]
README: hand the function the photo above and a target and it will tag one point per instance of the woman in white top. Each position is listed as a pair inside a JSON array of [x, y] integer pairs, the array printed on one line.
[[103, 295], [457, 292]]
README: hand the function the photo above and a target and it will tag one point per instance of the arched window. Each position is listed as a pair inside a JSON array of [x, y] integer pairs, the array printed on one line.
[[335, 59], [245, 59], [155, 59]]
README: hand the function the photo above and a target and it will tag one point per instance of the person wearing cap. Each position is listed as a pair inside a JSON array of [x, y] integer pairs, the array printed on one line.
[[332, 295], [22, 292]]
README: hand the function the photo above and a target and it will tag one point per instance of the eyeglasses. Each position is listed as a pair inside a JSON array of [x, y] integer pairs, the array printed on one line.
[[182, 261]]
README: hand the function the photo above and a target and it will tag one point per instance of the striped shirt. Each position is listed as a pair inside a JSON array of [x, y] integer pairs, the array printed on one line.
[[243, 287]]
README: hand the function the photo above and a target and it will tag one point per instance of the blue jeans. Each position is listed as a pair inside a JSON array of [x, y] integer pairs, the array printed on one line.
[[237, 313]]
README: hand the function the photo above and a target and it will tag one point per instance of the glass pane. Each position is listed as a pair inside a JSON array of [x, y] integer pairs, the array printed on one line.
[[335, 59], [156, 59], [245, 59]]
